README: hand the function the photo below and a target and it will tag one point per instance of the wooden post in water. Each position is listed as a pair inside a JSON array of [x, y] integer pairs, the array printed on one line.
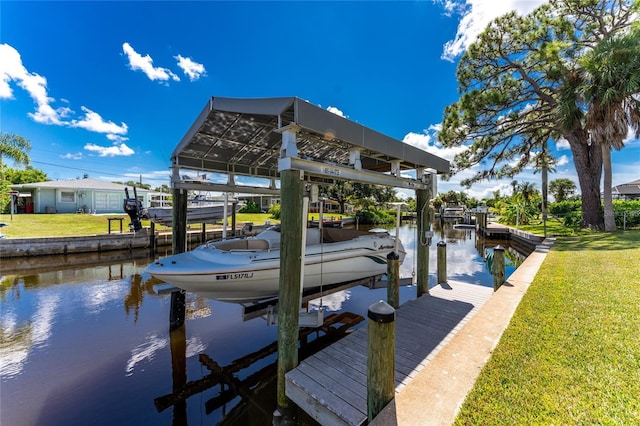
[[422, 250], [177, 310], [292, 189], [179, 225], [152, 238], [442, 262], [479, 217], [179, 245], [498, 267], [393, 279], [380, 357]]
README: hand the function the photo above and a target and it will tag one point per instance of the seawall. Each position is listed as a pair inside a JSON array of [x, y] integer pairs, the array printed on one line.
[[27, 247]]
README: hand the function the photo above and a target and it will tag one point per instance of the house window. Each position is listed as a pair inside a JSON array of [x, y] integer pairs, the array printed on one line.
[[67, 197]]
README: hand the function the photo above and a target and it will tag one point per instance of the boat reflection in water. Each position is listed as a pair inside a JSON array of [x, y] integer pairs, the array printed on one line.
[[86, 340]]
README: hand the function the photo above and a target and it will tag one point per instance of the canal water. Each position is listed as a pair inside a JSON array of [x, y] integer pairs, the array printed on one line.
[[86, 340]]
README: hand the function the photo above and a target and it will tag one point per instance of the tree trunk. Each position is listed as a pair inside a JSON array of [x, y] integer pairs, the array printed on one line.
[[588, 162], [609, 218], [545, 184]]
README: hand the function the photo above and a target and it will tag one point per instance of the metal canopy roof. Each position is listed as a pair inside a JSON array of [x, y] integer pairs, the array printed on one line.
[[244, 137]]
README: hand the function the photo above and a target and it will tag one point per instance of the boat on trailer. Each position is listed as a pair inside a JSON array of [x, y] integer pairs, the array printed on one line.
[[248, 269]]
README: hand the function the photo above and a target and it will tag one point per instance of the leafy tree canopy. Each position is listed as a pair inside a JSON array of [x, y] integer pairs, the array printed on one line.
[[27, 175], [511, 82], [562, 189]]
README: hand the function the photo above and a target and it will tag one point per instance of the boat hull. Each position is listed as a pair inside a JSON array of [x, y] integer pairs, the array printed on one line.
[[195, 214], [251, 276]]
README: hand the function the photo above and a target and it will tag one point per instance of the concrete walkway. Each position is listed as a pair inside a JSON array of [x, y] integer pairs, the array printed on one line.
[[436, 394]]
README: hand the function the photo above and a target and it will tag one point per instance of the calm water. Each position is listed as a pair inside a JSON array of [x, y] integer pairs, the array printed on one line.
[[85, 340]]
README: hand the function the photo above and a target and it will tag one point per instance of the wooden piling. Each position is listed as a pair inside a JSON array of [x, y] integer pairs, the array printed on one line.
[[422, 250], [177, 310], [498, 267], [292, 188], [380, 357], [393, 280], [442, 262], [152, 238], [179, 225]]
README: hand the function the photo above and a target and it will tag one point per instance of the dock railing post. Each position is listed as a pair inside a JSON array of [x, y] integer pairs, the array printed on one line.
[[442, 262], [393, 279], [498, 267], [380, 357]]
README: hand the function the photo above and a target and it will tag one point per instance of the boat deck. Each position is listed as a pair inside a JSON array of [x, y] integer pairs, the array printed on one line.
[[331, 386]]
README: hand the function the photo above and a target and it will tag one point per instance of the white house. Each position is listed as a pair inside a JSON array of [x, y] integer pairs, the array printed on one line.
[[75, 196]]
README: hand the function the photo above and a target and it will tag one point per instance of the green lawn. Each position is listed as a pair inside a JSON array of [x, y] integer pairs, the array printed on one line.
[[63, 225], [571, 354], [554, 227]]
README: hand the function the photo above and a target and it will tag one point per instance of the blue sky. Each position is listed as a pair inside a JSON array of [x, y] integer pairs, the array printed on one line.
[[110, 88]]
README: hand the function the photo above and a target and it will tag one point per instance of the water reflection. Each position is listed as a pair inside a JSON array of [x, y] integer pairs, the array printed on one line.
[[86, 339]]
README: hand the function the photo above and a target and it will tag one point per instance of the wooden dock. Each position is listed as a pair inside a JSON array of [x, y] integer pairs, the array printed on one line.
[[331, 386]]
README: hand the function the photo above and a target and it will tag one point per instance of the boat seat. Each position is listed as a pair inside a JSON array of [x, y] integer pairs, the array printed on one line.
[[249, 244], [257, 244]]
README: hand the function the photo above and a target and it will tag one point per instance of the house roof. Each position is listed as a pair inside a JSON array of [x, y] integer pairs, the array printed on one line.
[[244, 137], [631, 188], [76, 184]]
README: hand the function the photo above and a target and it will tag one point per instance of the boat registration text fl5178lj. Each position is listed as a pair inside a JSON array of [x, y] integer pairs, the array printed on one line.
[[248, 269]]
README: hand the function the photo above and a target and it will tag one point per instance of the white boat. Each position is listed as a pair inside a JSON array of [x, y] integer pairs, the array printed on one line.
[[454, 212], [198, 211], [248, 269]]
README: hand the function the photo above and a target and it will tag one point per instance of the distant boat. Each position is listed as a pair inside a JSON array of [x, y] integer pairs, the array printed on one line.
[[199, 210], [454, 212], [248, 269]]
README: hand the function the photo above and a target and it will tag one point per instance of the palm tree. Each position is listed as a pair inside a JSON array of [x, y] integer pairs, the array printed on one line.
[[514, 187], [612, 74], [562, 189], [527, 190], [14, 147], [544, 163]]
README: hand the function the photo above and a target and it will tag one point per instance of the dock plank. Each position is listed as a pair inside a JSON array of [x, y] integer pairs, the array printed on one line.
[[331, 384]]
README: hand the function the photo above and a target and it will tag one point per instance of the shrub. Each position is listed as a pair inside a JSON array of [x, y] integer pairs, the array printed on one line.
[[563, 207], [627, 213], [250, 207], [374, 217], [274, 211]]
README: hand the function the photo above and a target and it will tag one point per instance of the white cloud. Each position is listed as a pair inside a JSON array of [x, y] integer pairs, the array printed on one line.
[[145, 64], [562, 161], [476, 15], [110, 151], [92, 121], [12, 69], [335, 111], [116, 138], [631, 137], [70, 156], [428, 141], [562, 144], [192, 69]]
